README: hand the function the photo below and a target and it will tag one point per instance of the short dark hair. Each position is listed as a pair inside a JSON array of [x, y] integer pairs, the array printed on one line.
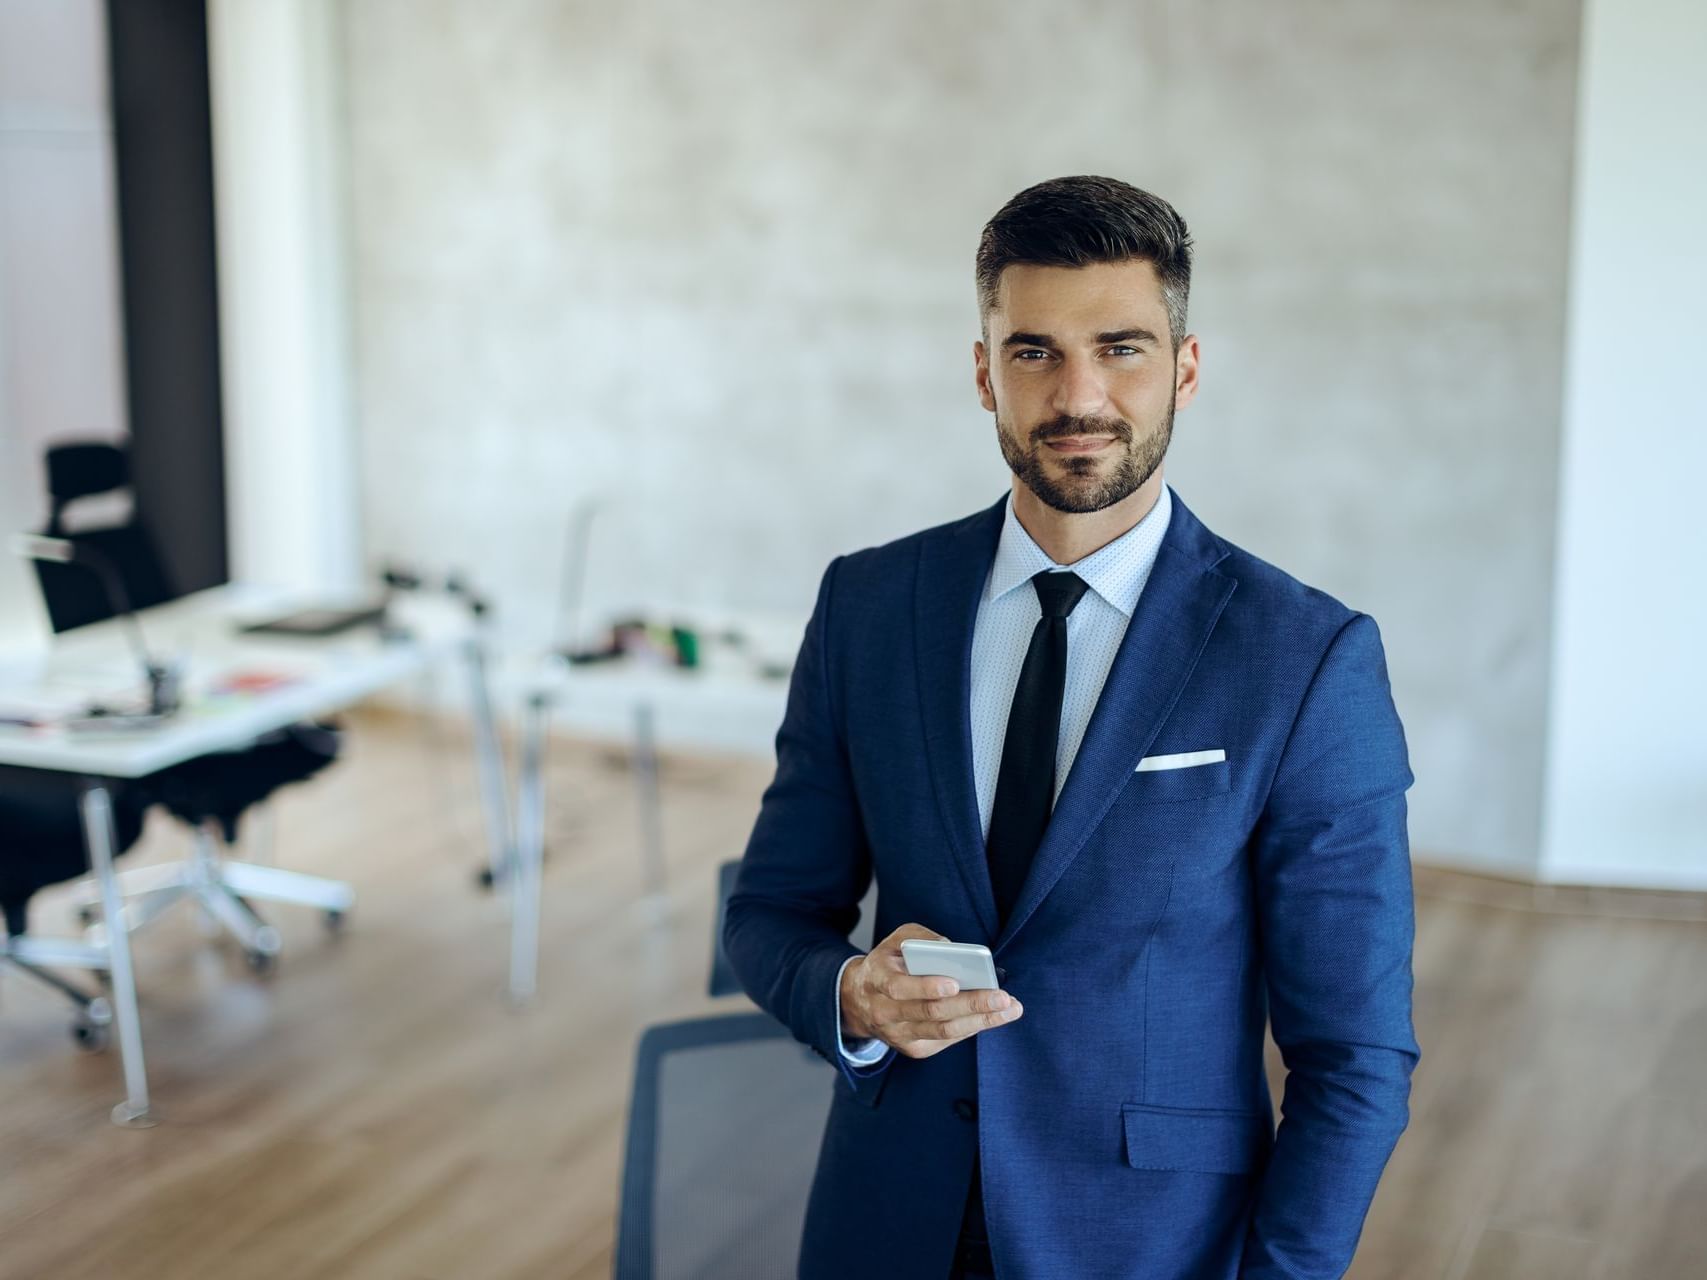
[[1073, 222]]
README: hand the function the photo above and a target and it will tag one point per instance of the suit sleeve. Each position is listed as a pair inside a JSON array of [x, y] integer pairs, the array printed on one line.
[[807, 864], [1336, 924]]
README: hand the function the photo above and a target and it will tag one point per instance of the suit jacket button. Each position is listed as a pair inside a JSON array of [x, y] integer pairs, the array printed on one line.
[[966, 1109]]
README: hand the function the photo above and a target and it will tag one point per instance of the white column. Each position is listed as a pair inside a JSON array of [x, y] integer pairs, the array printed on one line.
[[1626, 789], [291, 485]]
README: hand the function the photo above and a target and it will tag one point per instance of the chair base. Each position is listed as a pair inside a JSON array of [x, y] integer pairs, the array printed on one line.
[[223, 887], [91, 1026]]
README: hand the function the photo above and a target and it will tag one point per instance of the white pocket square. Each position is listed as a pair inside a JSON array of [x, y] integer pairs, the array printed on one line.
[[1184, 760]]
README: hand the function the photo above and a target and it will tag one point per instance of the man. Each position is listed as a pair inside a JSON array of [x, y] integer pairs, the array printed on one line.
[[1163, 781]]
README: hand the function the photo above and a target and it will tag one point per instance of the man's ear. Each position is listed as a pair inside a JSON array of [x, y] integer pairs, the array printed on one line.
[[981, 376], [1185, 371]]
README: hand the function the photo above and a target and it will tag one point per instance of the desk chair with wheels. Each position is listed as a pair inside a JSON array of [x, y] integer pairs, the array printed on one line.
[[41, 844], [210, 794], [722, 1143], [723, 981]]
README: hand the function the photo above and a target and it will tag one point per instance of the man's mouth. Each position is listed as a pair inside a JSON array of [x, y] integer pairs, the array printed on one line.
[[1079, 444]]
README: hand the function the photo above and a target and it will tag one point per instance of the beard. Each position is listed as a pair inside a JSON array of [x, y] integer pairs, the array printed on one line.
[[1093, 481]]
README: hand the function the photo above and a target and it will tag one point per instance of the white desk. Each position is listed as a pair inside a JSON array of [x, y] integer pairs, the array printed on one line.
[[327, 673], [723, 704]]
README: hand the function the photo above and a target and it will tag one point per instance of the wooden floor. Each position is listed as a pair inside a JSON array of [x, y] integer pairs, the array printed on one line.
[[374, 1110]]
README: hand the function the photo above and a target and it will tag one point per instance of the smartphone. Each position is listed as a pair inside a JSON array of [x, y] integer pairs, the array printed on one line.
[[968, 963]]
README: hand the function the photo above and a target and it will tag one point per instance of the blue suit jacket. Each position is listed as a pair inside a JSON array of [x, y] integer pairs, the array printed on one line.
[[1124, 1121]]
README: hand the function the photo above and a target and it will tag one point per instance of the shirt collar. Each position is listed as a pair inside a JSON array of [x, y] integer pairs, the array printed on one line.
[[1117, 572]]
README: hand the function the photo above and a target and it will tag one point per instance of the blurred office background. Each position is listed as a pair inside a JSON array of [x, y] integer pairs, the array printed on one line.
[[405, 281]]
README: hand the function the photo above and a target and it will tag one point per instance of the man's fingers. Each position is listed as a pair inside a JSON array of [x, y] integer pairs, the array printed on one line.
[[906, 933], [927, 1013], [972, 1023], [904, 986], [943, 1008], [957, 1028], [893, 959]]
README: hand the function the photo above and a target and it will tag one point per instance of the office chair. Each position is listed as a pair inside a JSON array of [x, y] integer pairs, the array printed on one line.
[[41, 844], [723, 980], [74, 596], [212, 793], [722, 1144]]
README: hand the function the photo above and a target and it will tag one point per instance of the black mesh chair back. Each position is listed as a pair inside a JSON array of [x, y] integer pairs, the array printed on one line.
[[723, 980], [216, 788], [74, 596], [723, 1137]]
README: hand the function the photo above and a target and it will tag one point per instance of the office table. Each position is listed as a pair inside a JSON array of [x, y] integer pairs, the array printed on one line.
[[724, 704], [324, 674]]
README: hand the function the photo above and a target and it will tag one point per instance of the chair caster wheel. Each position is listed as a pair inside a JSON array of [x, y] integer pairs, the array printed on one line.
[[262, 963], [92, 1030], [335, 920]]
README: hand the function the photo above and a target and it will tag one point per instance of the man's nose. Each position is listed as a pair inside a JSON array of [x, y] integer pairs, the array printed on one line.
[[1079, 391]]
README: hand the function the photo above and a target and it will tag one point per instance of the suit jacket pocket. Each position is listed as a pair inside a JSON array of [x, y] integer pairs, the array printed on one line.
[[1182, 1139], [1191, 783]]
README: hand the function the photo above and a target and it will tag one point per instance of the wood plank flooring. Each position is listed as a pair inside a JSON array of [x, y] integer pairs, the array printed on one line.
[[375, 1110]]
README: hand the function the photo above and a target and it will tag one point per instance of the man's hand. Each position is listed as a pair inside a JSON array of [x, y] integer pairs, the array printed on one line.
[[917, 1016]]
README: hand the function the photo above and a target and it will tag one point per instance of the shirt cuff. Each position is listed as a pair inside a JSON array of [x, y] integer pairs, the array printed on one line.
[[862, 1053]]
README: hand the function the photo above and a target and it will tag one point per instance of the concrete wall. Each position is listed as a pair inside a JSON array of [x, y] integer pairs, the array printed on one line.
[[1627, 776], [61, 341], [713, 264]]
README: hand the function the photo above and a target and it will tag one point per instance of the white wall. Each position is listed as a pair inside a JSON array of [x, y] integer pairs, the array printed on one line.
[[1626, 796], [61, 343], [291, 489], [714, 264]]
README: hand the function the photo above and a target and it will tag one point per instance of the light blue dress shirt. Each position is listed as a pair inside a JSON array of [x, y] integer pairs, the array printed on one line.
[[1116, 574]]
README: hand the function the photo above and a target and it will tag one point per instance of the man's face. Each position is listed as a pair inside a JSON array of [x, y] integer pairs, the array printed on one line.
[[1083, 379]]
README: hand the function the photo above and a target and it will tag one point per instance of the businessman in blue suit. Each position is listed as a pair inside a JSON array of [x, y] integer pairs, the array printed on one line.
[[1161, 779]]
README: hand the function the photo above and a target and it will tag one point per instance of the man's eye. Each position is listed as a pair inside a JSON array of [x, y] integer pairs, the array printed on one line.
[[1026, 355], [1123, 351]]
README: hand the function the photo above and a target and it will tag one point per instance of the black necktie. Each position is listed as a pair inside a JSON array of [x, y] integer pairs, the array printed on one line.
[[1025, 784], [1025, 793]]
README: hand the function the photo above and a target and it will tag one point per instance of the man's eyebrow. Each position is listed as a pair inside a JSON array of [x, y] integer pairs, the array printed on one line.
[[1029, 340], [1043, 340]]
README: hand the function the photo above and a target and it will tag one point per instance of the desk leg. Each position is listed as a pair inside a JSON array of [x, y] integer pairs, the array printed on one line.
[[489, 759], [651, 819], [530, 854], [98, 834]]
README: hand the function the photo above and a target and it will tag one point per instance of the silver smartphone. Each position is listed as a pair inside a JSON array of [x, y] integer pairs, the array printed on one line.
[[968, 963]]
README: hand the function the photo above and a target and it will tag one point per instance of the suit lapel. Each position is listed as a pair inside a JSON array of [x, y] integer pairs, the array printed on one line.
[[1176, 613], [951, 577]]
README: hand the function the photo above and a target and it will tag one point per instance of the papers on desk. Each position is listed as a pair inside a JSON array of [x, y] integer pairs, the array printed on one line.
[[38, 708], [51, 711], [236, 687], [250, 681], [71, 708]]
